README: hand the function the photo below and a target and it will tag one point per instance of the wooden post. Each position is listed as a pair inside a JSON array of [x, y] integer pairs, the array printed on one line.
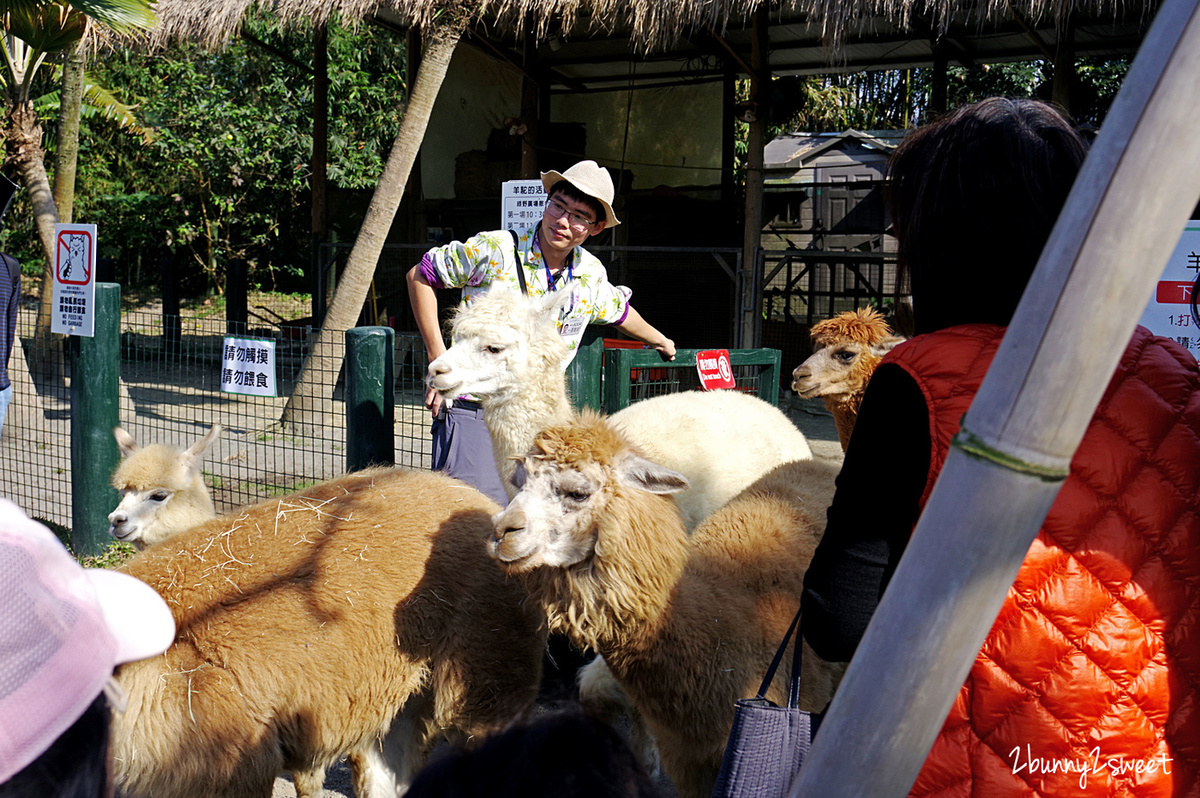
[[320, 159], [938, 91], [1063, 83], [530, 95], [1098, 269], [755, 145]]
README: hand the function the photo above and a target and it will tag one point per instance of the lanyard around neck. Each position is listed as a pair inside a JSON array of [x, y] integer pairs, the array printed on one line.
[[551, 279]]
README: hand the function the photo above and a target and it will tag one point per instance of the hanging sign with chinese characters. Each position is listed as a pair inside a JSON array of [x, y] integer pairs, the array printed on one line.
[[715, 370], [522, 202], [1170, 310], [248, 366]]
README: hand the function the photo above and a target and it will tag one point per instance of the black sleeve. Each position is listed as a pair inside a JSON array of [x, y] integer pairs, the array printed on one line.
[[872, 515]]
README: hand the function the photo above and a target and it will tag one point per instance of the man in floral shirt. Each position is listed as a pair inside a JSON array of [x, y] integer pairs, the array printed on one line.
[[579, 205]]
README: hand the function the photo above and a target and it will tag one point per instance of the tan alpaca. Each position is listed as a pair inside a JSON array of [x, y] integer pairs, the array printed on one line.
[[360, 615], [846, 350], [686, 623], [162, 489]]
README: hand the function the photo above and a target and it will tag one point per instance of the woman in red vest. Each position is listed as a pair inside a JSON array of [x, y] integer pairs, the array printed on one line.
[[1089, 681]]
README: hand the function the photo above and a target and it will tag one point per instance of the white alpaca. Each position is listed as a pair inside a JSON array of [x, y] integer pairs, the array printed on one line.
[[507, 353], [162, 489], [361, 616], [686, 623]]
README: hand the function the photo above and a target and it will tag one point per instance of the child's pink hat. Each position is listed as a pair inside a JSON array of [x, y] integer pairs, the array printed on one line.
[[63, 628]]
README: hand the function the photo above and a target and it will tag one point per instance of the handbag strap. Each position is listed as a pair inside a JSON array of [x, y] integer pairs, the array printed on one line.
[[517, 256], [793, 699]]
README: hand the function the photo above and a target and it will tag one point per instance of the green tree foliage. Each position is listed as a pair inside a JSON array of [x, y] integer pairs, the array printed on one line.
[[224, 172]]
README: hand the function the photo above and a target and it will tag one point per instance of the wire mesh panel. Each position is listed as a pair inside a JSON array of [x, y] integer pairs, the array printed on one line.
[[631, 375], [170, 393]]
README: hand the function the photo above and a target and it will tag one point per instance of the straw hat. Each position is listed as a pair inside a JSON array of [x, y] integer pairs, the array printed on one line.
[[593, 180], [63, 630]]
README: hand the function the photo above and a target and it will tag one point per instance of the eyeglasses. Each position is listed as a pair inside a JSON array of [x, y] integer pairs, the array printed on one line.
[[578, 223]]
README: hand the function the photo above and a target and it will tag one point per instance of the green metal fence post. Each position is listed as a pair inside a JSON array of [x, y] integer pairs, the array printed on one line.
[[370, 397], [95, 379]]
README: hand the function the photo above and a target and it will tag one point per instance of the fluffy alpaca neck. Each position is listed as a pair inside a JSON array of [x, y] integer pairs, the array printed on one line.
[[515, 420], [617, 601], [845, 412]]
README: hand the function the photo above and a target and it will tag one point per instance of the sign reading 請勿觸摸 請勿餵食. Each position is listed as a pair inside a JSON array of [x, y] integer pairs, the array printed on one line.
[[1169, 312], [248, 366], [74, 290], [522, 202]]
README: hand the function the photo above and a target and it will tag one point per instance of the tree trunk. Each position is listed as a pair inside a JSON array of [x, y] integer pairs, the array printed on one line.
[[25, 153], [68, 133], [311, 402]]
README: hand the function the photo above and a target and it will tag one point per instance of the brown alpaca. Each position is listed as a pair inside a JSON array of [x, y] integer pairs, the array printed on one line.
[[360, 616], [686, 623], [846, 350]]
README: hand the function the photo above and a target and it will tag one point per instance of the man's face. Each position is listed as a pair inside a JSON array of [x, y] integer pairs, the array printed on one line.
[[567, 223]]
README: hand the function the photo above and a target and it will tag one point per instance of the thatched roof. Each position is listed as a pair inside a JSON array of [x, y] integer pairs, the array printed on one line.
[[649, 24]]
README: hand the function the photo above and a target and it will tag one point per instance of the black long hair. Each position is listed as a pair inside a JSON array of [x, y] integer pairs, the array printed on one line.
[[974, 196], [76, 765], [563, 754]]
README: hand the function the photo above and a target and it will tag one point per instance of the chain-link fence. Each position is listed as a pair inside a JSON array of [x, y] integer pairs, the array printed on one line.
[[170, 393]]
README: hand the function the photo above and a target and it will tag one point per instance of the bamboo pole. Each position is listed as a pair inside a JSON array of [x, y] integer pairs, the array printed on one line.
[[1119, 225]]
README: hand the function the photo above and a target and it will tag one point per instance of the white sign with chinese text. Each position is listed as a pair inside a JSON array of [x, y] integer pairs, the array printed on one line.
[[522, 202], [1169, 313], [74, 291], [248, 366]]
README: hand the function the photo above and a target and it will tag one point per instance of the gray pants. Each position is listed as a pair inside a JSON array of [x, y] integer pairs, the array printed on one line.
[[462, 447]]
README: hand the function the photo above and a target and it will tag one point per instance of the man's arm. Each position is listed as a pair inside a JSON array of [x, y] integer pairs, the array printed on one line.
[[642, 330], [423, 298]]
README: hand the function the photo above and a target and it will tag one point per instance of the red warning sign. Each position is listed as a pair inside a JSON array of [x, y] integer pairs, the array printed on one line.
[[716, 372]]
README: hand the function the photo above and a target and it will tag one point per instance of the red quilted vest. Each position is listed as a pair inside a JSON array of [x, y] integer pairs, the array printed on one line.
[[1089, 681]]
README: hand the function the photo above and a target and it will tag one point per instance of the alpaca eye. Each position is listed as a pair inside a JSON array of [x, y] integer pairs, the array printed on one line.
[[495, 350], [159, 496], [845, 357], [577, 496]]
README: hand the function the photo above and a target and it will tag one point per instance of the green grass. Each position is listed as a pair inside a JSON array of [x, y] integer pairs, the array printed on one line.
[[116, 553]]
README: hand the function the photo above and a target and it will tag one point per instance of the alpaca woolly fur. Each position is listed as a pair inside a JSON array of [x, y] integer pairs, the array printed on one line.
[[362, 614], [686, 623]]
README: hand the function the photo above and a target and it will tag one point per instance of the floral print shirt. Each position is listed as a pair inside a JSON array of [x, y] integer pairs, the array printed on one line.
[[485, 259]]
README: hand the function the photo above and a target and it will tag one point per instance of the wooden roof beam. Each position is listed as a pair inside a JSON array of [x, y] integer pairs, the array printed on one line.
[[475, 35], [733, 54]]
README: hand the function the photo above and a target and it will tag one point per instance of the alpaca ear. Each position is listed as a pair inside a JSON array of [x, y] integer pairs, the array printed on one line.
[[193, 454], [635, 471], [125, 442], [887, 345], [552, 303]]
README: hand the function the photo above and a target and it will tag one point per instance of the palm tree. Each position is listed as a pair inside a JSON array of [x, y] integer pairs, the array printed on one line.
[[34, 31], [311, 398]]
